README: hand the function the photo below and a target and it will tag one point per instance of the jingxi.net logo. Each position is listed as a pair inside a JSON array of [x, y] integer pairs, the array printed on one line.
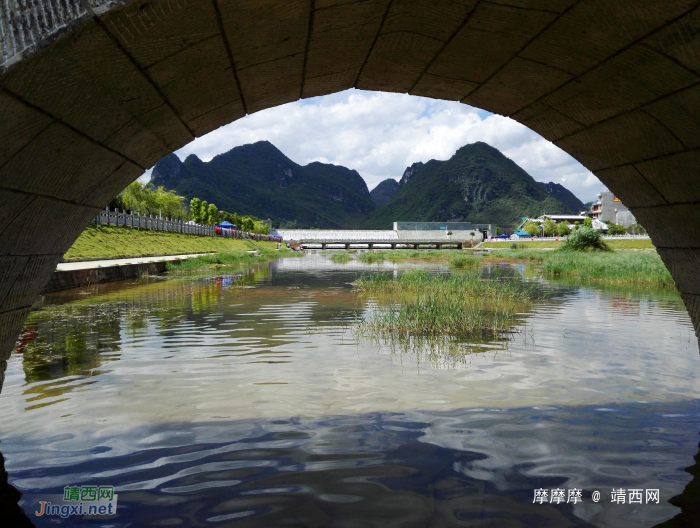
[[79, 500]]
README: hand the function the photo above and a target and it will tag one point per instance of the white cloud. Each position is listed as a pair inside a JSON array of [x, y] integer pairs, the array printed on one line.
[[380, 134]]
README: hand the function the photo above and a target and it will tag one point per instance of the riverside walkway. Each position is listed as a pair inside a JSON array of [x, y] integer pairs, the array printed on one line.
[[341, 238]]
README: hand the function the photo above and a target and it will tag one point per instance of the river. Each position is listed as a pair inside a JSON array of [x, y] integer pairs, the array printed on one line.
[[247, 398]]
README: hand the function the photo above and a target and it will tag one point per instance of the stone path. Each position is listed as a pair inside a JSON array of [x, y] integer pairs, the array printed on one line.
[[69, 266]]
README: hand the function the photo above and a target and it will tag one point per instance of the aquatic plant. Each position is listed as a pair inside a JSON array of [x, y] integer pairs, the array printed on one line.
[[462, 261], [584, 239], [340, 257], [422, 303], [615, 267]]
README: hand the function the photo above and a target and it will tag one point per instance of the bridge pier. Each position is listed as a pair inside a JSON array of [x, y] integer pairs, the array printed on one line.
[[323, 246], [347, 246], [393, 246], [438, 246], [370, 246]]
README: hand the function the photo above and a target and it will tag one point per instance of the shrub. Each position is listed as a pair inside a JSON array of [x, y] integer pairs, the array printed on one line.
[[584, 239]]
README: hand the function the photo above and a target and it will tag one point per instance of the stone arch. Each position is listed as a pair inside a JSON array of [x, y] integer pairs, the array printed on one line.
[[92, 92]]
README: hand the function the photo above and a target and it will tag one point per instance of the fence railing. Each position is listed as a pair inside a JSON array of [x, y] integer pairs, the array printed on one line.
[[140, 221], [605, 237]]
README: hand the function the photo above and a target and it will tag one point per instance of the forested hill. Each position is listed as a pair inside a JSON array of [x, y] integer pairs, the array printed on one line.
[[477, 184], [257, 179], [564, 195]]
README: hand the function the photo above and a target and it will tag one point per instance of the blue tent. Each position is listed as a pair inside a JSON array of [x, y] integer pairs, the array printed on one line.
[[226, 223], [503, 236], [522, 233]]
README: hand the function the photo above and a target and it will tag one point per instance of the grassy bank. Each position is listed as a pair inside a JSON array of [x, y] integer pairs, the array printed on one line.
[[108, 242], [224, 259], [619, 268], [426, 304], [622, 243]]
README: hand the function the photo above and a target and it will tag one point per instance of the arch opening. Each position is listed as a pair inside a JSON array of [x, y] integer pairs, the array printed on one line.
[[94, 92]]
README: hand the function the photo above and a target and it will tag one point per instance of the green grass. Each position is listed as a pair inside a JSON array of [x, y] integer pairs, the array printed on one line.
[[402, 255], [631, 243], [620, 268], [426, 304], [340, 257], [463, 261], [108, 242], [226, 259]]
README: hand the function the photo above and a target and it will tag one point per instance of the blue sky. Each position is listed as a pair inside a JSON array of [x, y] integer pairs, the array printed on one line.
[[380, 134]]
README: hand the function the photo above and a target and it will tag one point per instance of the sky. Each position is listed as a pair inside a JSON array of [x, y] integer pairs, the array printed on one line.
[[379, 134]]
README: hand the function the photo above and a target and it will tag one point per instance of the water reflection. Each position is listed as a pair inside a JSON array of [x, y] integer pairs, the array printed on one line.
[[246, 397]]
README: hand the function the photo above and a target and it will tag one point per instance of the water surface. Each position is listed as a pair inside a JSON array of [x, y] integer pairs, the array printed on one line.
[[247, 399]]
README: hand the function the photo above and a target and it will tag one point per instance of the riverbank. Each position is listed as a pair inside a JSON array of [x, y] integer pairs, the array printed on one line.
[[225, 259], [613, 243], [110, 242]]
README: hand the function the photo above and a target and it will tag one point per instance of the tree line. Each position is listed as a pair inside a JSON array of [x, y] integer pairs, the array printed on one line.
[[151, 200], [552, 228]]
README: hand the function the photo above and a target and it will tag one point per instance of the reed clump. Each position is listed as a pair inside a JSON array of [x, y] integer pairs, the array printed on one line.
[[613, 267], [463, 305], [226, 258], [340, 257], [463, 261]]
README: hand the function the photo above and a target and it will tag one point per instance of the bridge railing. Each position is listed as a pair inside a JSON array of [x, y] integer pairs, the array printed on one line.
[[141, 221]]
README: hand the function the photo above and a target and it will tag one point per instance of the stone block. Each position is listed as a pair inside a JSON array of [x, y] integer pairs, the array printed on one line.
[[19, 125], [631, 186], [86, 81], [671, 226], [23, 278], [104, 190], [178, 45], [680, 40], [443, 88], [59, 163], [272, 83], [340, 43], [593, 30], [677, 177], [680, 113], [262, 31], [692, 304], [413, 34], [493, 35], [629, 80], [683, 265], [31, 231], [629, 138], [11, 323], [12, 203], [547, 122], [517, 85]]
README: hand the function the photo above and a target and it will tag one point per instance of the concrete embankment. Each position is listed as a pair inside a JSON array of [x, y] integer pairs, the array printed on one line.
[[79, 274]]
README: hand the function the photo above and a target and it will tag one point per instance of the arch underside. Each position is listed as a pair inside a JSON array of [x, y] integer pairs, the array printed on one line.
[[94, 92]]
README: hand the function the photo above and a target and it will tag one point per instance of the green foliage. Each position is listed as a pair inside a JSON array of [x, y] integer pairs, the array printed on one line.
[[196, 209], [478, 184], [550, 227], [616, 229], [614, 267], [212, 214], [340, 257], [588, 222], [462, 261], [584, 239], [532, 228], [147, 199], [422, 303], [563, 229], [260, 180], [498, 230]]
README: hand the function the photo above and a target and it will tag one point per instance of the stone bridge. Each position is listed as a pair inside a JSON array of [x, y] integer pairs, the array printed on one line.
[[93, 92], [371, 238]]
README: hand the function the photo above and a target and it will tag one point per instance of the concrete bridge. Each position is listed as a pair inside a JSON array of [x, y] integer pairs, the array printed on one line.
[[93, 92], [340, 238]]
